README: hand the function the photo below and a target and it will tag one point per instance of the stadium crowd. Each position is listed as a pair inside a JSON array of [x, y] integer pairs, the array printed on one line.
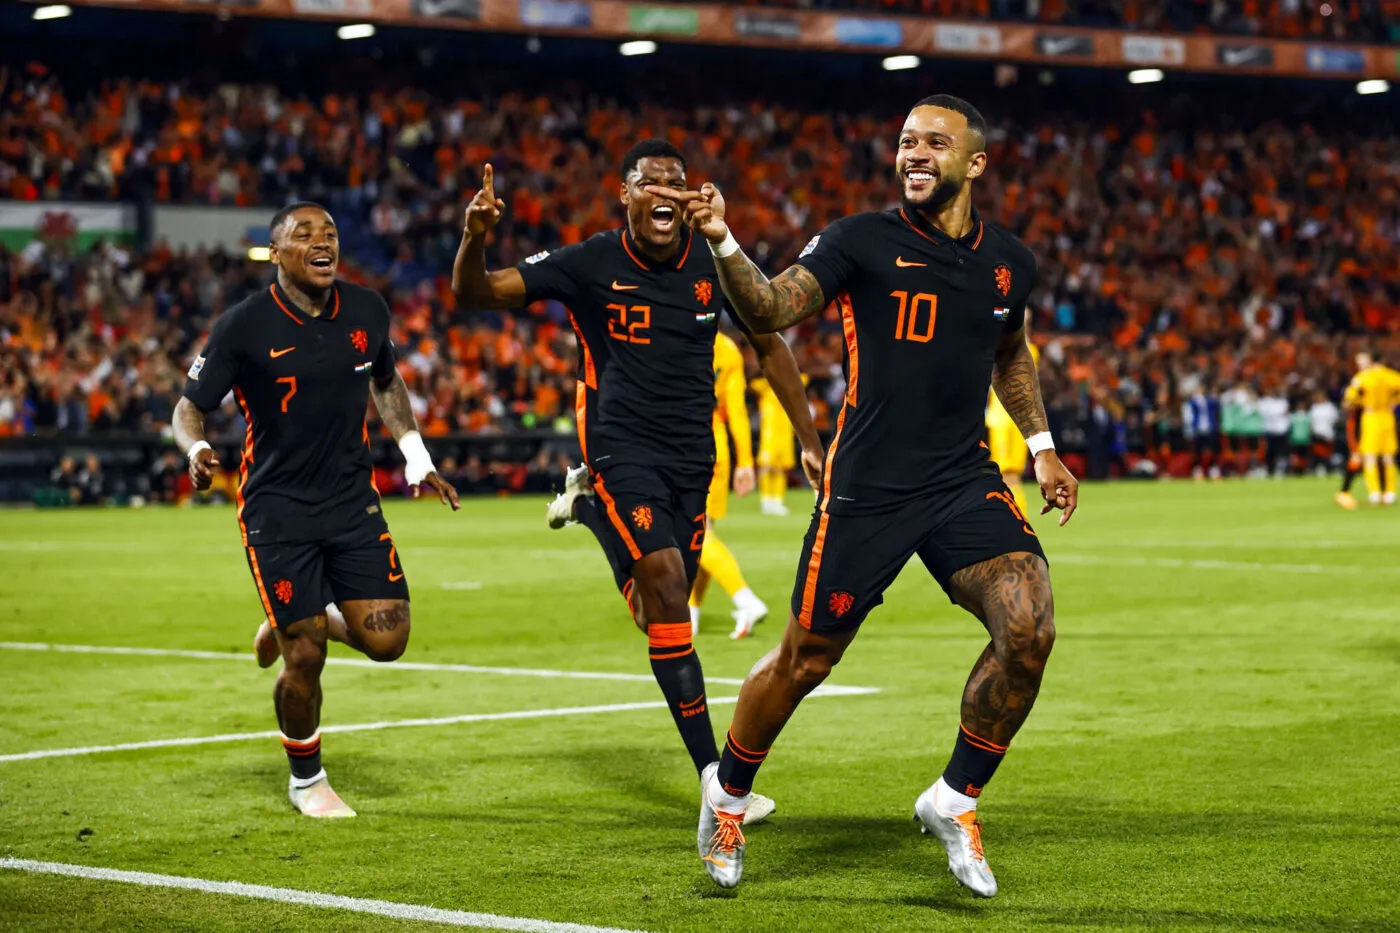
[[1346, 20], [1182, 256]]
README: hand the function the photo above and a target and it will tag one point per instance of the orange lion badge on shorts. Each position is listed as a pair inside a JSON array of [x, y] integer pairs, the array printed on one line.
[[641, 517], [840, 603], [282, 589]]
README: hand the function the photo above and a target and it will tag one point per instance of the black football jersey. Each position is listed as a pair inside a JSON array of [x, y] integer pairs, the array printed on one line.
[[303, 384], [646, 332], [922, 314]]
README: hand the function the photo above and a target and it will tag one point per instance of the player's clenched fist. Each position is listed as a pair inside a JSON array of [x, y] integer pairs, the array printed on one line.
[[704, 209], [484, 211], [202, 467]]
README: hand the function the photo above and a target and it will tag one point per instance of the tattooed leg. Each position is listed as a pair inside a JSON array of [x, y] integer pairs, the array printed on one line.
[[1011, 596], [377, 628]]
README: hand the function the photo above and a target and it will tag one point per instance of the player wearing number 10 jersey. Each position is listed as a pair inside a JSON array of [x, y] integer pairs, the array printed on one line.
[[644, 302], [932, 303]]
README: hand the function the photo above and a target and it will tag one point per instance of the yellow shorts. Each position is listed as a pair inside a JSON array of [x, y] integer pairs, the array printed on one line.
[[776, 453], [717, 505], [1008, 448], [1377, 434]]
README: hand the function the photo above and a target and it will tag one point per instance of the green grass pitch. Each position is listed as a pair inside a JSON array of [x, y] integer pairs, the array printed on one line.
[[1216, 745]]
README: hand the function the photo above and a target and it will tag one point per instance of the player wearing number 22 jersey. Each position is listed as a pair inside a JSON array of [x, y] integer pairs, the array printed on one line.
[[644, 302], [932, 306]]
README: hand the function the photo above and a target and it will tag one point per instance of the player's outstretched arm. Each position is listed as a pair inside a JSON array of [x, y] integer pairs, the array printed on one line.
[[188, 425], [396, 411], [1017, 383], [474, 287], [780, 368], [766, 306]]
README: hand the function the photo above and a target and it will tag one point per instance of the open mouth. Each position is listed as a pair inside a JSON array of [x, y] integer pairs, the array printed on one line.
[[663, 218], [919, 179], [322, 262]]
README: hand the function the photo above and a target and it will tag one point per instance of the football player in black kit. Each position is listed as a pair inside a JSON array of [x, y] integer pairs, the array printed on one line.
[[644, 302], [302, 359], [932, 302]]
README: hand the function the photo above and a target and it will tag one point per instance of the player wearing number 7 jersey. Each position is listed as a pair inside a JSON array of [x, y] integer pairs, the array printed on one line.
[[644, 302], [932, 303], [303, 357]]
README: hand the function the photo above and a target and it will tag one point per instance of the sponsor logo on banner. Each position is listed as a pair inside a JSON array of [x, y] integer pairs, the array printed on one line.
[[567, 13], [457, 9], [760, 26], [954, 38], [851, 30], [1245, 56], [663, 19], [1321, 58], [363, 7], [1048, 43], [1154, 50]]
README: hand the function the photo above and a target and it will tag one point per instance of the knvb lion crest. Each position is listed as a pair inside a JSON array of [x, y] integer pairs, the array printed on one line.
[[641, 517], [282, 589], [360, 339], [840, 603], [1003, 274], [704, 291]]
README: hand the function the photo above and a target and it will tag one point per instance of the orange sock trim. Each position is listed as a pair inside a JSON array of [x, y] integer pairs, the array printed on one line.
[[981, 743], [742, 753], [668, 634], [302, 748]]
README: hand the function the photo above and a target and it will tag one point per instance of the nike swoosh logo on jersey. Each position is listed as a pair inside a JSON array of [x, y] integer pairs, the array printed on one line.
[[899, 261], [623, 288], [276, 353], [395, 577]]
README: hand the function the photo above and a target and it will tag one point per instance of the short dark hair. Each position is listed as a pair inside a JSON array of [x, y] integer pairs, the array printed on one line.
[[281, 216], [649, 149], [975, 121]]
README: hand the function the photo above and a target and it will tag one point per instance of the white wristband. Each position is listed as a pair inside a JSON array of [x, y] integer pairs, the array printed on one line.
[[726, 247], [1039, 442], [196, 447], [418, 462]]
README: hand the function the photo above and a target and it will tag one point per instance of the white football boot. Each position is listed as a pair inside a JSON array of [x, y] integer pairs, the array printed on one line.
[[720, 837], [561, 510], [760, 808], [317, 799], [747, 616], [962, 837]]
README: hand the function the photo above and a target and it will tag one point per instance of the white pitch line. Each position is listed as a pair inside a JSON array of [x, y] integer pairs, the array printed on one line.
[[1182, 563], [832, 691], [359, 905], [462, 585]]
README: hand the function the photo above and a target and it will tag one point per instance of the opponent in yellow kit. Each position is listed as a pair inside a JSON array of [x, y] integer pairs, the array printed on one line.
[[716, 560], [776, 440], [1008, 447], [1375, 390]]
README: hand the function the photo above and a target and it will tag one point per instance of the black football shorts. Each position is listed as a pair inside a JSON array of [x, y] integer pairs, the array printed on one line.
[[648, 509], [295, 580], [848, 561]]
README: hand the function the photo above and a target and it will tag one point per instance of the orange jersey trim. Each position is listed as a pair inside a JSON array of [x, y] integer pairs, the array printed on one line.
[[814, 566]]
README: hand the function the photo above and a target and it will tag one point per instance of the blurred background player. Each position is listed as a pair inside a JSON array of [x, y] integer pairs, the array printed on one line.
[[776, 457], [716, 560], [1008, 447], [1375, 390]]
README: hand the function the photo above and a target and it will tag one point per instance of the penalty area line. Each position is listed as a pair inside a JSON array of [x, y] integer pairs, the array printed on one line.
[[359, 905], [394, 724]]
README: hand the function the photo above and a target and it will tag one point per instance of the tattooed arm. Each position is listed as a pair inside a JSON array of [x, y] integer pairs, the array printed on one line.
[[765, 306], [396, 411], [188, 425], [394, 406], [1017, 383]]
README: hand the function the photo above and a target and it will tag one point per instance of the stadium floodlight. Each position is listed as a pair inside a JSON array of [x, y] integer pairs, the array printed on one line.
[[53, 11], [1372, 86], [259, 253], [1146, 76], [637, 47], [355, 31], [900, 62]]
